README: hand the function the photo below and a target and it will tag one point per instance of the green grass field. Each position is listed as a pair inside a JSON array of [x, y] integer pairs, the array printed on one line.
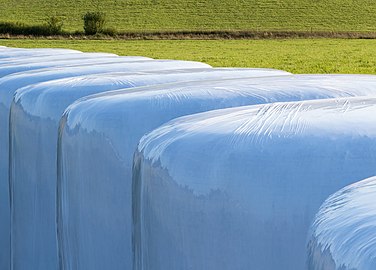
[[159, 15], [294, 55]]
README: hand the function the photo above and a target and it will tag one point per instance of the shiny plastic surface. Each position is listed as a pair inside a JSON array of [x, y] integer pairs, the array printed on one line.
[[343, 235], [239, 188], [16, 53], [99, 135], [31, 59], [9, 84], [69, 60], [34, 122]]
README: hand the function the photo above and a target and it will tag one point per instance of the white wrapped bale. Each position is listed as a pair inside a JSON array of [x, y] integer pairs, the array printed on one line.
[[46, 58], [344, 231], [99, 135], [17, 53], [34, 122], [58, 57], [71, 60], [239, 188], [9, 84]]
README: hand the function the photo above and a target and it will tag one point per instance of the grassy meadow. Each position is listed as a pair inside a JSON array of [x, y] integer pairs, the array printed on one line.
[[310, 55], [193, 15], [294, 55]]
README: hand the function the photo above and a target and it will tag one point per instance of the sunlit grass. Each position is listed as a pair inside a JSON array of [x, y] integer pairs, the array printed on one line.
[[159, 15], [294, 55]]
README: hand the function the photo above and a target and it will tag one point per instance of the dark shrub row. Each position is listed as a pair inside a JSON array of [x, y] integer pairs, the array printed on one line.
[[23, 29], [94, 23]]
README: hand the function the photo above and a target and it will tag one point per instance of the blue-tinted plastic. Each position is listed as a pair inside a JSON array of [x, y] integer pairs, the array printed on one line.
[[17, 53], [343, 235], [9, 84], [38, 59], [99, 135], [34, 122], [48, 63], [239, 188]]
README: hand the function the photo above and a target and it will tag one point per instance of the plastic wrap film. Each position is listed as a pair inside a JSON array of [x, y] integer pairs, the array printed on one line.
[[343, 235], [239, 188], [9, 84], [99, 135], [31, 58], [32, 63], [59, 57], [34, 122], [69, 61], [17, 53]]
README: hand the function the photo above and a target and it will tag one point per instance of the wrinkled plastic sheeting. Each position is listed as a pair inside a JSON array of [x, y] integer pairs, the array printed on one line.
[[35, 116], [344, 231], [239, 188], [99, 135], [9, 84], [16, 53]]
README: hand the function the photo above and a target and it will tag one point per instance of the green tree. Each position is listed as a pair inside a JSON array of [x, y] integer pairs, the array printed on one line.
[[55, 25], [94, 22]]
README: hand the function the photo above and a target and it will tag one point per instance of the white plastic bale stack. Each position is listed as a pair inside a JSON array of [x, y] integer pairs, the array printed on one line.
[[59, 57], [6, 56], [239, 188], [21, 65], [35, 58], [17, 53], [99, 134], [343, 235], [3, 48], [10, 83], [69, 61], [30, 58], [35, 116], [10, 55]]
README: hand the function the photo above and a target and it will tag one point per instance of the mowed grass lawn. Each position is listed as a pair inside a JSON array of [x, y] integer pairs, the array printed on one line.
[[159, 15], [294, 55]]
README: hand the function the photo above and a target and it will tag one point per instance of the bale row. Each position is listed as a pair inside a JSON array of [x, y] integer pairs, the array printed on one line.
[[111, 162]]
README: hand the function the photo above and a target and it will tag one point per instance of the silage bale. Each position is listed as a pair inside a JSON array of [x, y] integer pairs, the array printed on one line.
[[18, 52], [67, 61], [344, 231], [239, 188], [34, 122], [99, 135], [9, 84], [58, 57]]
